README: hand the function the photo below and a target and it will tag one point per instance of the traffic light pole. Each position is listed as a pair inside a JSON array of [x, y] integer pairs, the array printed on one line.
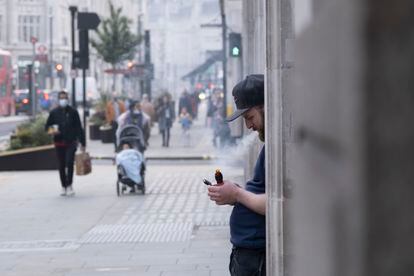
[[30, 86], [33, 98], [73, 11], [51, 63], [147, 60], [86, 22], [224, 37], [85, 108]]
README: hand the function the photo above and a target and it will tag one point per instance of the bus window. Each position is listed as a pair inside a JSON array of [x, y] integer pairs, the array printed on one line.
[[1, 61]]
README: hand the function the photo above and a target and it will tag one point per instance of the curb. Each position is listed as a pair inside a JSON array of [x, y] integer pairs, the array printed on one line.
[[8, 120], [173, 158]]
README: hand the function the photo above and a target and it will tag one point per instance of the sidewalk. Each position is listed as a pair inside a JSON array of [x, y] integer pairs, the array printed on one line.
[[174, 229], [201, 143]]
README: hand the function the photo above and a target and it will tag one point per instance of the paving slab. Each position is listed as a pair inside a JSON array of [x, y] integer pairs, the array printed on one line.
[[44, 232]]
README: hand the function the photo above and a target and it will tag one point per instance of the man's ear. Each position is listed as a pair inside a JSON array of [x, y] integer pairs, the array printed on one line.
[[260, 108]]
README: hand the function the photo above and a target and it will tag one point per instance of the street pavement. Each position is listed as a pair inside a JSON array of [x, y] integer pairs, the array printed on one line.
[[13, 119], [174, 229], [200, 143], [8, 124]]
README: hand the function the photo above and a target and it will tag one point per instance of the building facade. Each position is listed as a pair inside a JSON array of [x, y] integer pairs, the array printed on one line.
[[179, 42], [40, 30]]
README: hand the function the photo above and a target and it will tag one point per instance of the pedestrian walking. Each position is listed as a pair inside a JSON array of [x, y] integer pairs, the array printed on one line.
[[185, 101], [166, 117], [217, 119], [247, 221], [114, 108], [65, 126], [186, 121], [148, 108]]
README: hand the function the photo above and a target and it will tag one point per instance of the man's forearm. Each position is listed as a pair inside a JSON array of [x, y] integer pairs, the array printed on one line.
[[255, 202]]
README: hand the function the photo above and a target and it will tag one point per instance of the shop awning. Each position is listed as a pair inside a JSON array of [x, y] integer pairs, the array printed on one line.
[[217, 56]]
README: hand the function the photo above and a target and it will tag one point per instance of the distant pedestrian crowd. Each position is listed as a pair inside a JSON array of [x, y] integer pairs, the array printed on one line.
[[216, 120]]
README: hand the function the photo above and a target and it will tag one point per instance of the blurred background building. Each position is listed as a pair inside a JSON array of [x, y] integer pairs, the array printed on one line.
[[41, 30], [182, 40]]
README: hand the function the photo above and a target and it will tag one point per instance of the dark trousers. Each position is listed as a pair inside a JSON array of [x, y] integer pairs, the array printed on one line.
[[165, 137], [66, 158], [247, 262]]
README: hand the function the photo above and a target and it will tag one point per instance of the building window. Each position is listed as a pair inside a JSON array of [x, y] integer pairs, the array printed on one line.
[[28, 26]]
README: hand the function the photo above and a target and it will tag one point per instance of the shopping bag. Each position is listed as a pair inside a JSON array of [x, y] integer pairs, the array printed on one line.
[[83, 163]]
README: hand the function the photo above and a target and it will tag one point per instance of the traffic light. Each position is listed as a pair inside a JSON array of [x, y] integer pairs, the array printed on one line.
[[59, 67], [59, 70], [235, 45], [82, 56], [86, 21]]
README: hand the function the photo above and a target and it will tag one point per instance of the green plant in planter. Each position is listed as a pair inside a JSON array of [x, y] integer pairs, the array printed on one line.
[[98, 118], [102, 102], [30, 134]]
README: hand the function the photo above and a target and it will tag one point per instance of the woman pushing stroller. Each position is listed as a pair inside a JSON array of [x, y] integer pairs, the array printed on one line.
[[135, 116], [132, 140]]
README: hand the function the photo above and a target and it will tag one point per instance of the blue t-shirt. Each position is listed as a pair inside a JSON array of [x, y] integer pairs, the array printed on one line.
[[247, 228]]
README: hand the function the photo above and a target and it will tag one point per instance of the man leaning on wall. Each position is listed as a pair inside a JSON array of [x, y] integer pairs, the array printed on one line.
[[247, 220]]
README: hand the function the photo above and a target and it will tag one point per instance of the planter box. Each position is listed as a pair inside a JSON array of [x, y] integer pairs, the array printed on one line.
[[107, 135], [30, 159], [94, 132]]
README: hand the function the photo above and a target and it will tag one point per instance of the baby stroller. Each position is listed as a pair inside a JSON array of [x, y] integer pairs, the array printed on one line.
[[130, 160]]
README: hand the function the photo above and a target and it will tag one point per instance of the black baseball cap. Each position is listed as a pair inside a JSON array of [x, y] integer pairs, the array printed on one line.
[[247, 94]]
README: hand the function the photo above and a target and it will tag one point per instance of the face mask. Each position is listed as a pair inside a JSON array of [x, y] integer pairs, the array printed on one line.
[[63, 102], [136, 111]]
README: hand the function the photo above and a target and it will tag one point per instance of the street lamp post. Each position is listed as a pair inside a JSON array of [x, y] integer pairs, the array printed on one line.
[[224, 36], [32, 87], [51, 63], [73, 10]]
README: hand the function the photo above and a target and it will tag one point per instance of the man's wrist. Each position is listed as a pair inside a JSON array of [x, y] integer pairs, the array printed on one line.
[[238, 193]]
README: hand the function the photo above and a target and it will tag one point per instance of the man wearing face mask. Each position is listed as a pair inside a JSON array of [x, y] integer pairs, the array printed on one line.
[[65, 126]]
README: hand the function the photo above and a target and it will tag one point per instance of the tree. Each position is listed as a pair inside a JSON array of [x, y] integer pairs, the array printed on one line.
[[116, 43]]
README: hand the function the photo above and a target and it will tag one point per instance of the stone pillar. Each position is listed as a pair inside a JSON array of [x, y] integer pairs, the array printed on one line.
[[279, 66], [388, 111], [353, 157], [327, 160]]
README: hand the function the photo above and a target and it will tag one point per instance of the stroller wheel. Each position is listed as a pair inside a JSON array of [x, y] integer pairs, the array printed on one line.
[[118, 188], [143, 184]]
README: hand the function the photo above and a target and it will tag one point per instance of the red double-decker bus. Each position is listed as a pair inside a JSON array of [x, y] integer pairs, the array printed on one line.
[[7, 107]]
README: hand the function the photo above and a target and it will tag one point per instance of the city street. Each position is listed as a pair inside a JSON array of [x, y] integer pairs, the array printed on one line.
[[8, 124], [172, 230]]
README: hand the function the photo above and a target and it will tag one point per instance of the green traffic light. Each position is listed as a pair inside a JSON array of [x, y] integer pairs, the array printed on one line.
[[235, 51]]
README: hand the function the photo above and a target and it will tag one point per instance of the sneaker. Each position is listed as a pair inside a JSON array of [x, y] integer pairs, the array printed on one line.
[[63, 192], [70, 191]]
